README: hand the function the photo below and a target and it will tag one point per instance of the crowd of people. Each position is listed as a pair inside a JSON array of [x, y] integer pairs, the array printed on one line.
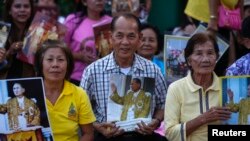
[[78, 84]]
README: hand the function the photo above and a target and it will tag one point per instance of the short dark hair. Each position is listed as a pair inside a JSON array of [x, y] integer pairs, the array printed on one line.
[[245, 27], [126, 16], [137, 80], [199, 38], [39, 56], [19, 83]]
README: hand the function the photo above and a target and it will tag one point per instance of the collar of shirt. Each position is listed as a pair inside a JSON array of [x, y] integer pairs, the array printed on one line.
[[21, 102], [113, 65], [67, 88], [136, 94], [194, 87]]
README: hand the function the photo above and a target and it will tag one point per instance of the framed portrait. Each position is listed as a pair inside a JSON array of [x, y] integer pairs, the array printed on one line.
[[236, 95], [102, 32], [130, 100], [42, 27], [4, 33], [23, 113], [174, 61], [124, 6]]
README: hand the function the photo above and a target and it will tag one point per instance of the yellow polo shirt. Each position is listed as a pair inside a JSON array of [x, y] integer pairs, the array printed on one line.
[[71, 109], [185, 101]]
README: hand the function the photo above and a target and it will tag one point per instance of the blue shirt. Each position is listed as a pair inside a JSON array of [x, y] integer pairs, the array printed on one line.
[[240, 66]]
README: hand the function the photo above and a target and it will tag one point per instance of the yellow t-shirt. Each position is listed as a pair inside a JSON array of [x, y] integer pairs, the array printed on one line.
[[198, 9], [71, 109]]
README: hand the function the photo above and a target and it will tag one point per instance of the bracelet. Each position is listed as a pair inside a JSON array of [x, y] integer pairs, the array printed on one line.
[[213, 17]]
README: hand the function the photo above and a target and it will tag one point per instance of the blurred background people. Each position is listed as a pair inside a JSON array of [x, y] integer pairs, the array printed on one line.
[[20, 14], [151, 46], [79, 25], [226, 33], [48, 7], [242, 65]]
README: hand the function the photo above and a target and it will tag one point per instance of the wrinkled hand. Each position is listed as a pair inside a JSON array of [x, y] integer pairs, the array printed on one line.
[[2, 54], [108, 129], [215, 113], [147, 129]]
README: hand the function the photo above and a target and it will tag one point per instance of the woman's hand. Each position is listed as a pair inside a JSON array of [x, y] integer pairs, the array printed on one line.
[[215, 113], [15, 47]]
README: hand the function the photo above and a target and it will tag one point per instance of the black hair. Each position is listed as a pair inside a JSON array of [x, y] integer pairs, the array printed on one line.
[[39, 56], [137, 80], [159, 36], [199, 38]]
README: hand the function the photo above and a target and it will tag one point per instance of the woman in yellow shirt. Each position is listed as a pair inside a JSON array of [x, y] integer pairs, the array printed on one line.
[[68, 105]]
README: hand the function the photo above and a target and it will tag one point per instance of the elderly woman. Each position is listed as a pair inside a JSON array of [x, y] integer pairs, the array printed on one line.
[[194, 105], [152, 43], [68, 105]]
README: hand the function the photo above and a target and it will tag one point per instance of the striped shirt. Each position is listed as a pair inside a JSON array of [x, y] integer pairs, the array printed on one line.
[[96, 81]]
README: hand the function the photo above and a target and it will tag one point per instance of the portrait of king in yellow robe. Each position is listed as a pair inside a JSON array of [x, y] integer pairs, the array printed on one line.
[[136, 102], [20, 107], [243, 107]]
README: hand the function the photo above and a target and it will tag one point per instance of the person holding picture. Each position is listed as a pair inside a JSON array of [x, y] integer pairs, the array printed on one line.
[[68, 105], [193, 102]]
